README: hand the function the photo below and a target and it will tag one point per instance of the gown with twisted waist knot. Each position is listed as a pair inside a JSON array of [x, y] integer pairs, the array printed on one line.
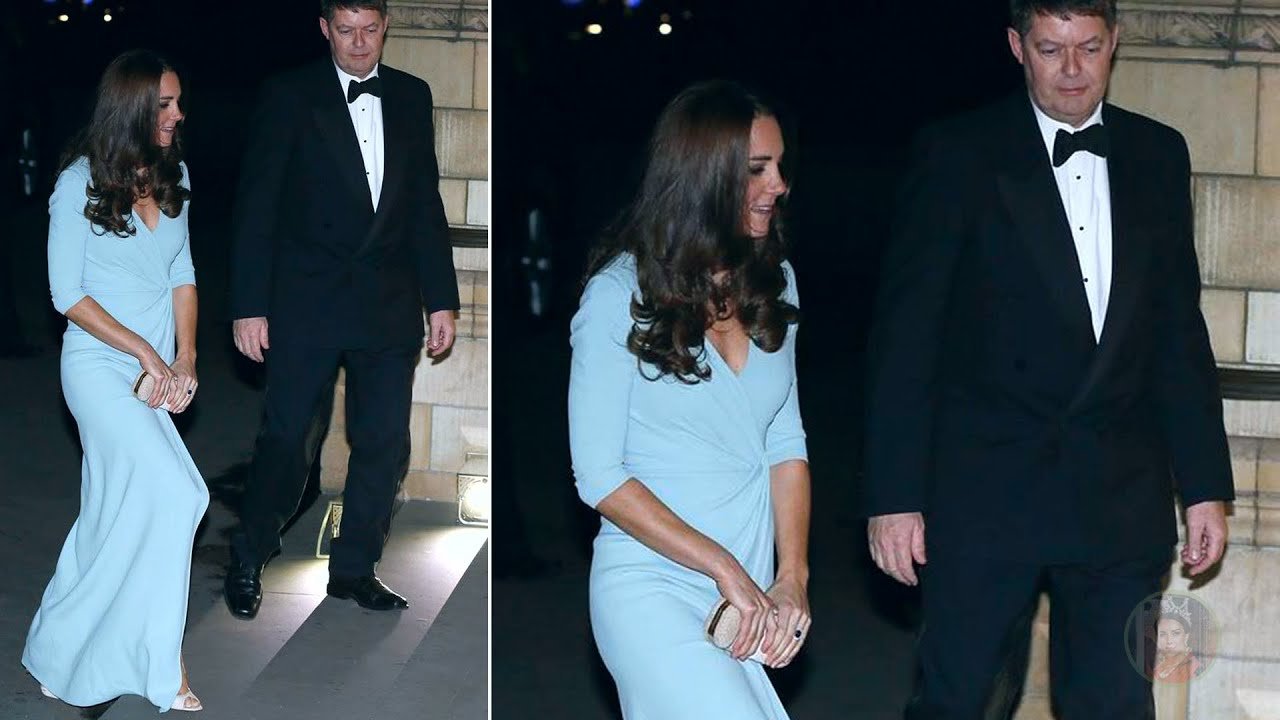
[[112, 618], [705, 450]]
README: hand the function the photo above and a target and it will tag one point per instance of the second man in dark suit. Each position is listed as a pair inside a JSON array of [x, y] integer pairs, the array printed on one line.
[[1042, 382], [340, 241]]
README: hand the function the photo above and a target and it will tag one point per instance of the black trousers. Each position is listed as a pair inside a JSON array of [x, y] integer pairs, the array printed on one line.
[[379, 394], [973, 647]]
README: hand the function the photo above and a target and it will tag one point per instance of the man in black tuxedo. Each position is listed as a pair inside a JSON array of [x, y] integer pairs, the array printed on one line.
[[340, 241], [1042, 382]]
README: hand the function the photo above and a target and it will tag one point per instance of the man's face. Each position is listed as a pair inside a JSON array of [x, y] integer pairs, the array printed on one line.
[[1067, 63], [355, 39]]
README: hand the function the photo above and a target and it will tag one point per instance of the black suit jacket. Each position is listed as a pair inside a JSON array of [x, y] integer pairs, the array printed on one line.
[[991, 407], [308, 250]]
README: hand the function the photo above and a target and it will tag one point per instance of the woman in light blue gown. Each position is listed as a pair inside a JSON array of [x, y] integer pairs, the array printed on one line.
[[684, 423], [111, 620]]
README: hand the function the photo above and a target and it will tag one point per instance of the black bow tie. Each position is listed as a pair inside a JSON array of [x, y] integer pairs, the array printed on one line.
[[1092, 139], [355, 89]]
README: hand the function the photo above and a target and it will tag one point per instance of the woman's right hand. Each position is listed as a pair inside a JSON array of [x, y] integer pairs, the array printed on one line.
[[758, 611], [160, 372]]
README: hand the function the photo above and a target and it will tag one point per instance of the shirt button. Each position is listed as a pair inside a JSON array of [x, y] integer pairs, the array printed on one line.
[[1081, 228], [1077, 177]]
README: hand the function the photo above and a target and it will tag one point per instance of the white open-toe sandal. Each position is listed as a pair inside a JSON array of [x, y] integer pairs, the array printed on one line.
[[45, 692], [180, 702]]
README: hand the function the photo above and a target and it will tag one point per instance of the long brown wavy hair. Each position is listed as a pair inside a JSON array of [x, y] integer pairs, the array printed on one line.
[[685, 226], [125, 163]]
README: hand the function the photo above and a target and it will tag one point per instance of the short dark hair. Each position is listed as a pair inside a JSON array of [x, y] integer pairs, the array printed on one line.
[[329, 8], [1023, 12]]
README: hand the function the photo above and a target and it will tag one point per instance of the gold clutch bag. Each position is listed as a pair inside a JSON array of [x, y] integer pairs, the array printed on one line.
[[143, 386], [722, 627]]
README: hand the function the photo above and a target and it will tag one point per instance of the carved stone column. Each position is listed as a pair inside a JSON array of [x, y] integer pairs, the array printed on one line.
[[1211, 69], [446, 44]]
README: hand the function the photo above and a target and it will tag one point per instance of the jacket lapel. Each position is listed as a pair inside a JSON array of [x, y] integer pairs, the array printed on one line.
[[397, 127], [1130, 250], [1030, 195], [337, 133]]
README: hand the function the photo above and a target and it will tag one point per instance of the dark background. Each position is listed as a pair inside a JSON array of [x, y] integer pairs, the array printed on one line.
[[223, 52], [854, 80]]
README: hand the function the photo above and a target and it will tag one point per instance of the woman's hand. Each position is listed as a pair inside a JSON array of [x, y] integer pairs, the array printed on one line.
[[757, 610], [183, 388], [163, 376], [792, 628]]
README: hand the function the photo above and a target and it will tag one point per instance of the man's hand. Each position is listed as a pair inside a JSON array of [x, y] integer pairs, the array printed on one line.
[[440, 331], [251, 337], [896, 540], [1206, 536]]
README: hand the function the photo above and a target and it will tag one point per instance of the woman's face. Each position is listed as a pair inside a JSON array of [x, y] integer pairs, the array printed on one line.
[[1172, 637], [764, 183], [170, 113]]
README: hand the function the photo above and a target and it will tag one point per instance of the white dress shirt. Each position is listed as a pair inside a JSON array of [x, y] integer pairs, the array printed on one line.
[[366, 116], [1085, 188]]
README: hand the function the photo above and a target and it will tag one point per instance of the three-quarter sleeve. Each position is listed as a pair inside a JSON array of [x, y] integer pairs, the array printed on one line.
[[68, 230], [785, 439], [600, 379], [181, 270]]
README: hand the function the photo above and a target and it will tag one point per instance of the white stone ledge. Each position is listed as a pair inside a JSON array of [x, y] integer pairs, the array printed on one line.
[[1249, 418], [1253, 28], [439, 17]]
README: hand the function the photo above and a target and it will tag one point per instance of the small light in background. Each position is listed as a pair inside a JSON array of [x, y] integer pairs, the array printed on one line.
[[64, 17], [595, 29], [633, 3], [665, 28], [330, 528], [106, 17], [473, 489]]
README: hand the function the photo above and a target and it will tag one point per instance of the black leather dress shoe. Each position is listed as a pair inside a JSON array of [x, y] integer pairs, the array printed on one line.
[[367, 591], [243, 588]]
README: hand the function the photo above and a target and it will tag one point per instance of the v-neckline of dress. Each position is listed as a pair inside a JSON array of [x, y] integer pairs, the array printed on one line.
[[745, 363], [141, 222]]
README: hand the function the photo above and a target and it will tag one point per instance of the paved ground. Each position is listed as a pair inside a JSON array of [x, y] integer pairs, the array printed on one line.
[[305, 656]]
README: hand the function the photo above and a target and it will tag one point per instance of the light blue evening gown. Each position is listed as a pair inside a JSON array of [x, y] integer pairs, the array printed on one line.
[[706, 451], [112, 618]]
